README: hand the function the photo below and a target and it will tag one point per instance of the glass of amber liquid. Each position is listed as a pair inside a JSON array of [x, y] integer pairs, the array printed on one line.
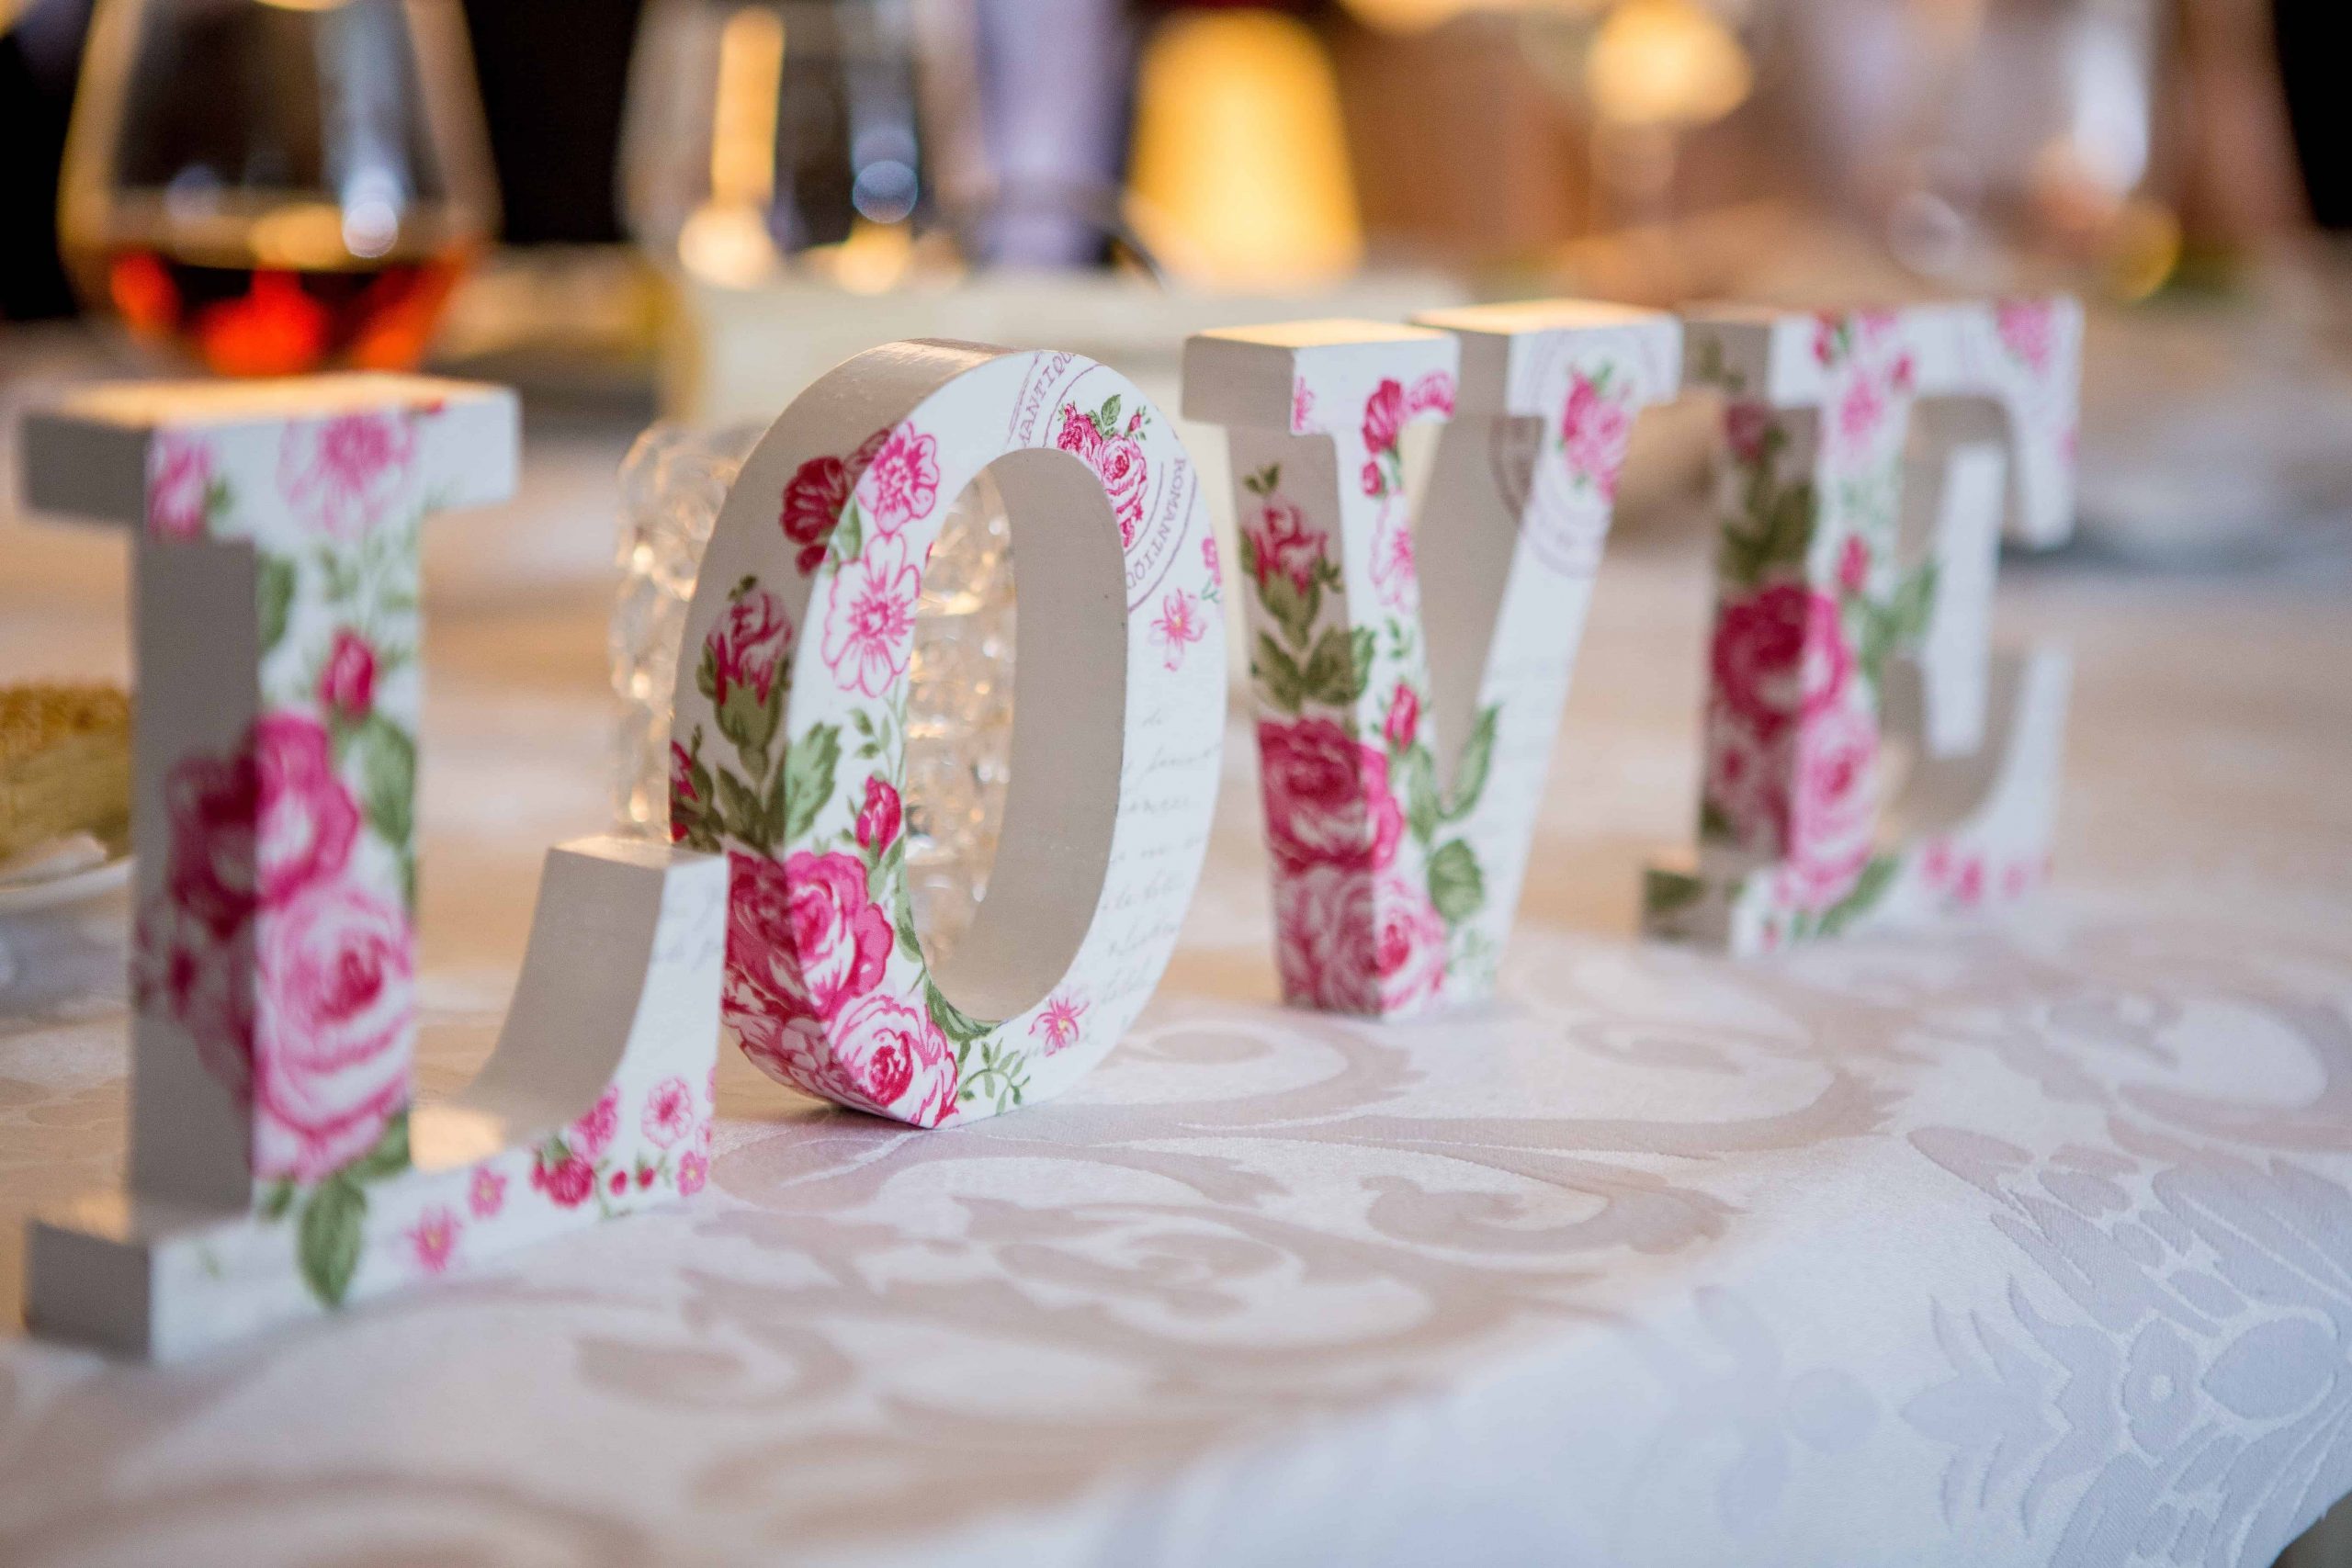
[[266, 188]]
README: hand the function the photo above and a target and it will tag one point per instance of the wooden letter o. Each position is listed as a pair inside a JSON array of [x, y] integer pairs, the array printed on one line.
[[788, 749]]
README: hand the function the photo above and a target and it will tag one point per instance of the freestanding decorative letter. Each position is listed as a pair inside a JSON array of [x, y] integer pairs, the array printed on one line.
[[788, 749], [1409, 692], [1853, 616], [278, 1165]]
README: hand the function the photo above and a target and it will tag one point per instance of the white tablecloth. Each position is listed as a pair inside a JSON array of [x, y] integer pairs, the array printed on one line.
[[1983, 1248]]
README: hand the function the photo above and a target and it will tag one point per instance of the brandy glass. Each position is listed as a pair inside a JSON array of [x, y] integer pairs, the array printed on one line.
[[275, 186]]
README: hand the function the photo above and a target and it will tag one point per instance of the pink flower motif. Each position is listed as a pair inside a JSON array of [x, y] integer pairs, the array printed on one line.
[[2028, 329], [894, 1058], [486, 1194], [1861, 411], [1302, 408], [802, 935], [1433, 393], [179, 487], [1404, 717], [259, 827], [617, 1183], [878, 819], [1595, 430], [1395, 575], [1833, 806], [747, 645], [1119, 463], [1747, 426], [814, 496], [1853, 564], [593, 1133], [682, 788], [1058, 1025], [1327, 797], [669, 1112], [187, 971], [347, 681], [694, 1170], [1208, 560], [1177, 627], [340, 474], [1780, 655], [332, 1041], [870, 618], [1079, 435], [1825, 333], [1969, 885], [1283, 544], [1747, 781], [569, 1182], [902, 481], [1348, 942], [1384, 417], [433, 1238], [1374, 483]]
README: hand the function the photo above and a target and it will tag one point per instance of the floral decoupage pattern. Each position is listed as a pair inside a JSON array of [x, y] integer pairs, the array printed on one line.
[[1813, 601], [276, 932], [788, 755], [1394, 884]]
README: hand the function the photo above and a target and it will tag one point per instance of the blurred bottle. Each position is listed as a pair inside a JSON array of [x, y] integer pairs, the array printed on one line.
[[760, 132], [274, 187]]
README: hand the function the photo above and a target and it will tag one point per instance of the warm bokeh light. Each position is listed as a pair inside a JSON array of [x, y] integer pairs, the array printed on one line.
[[1666, 63], [1241, 178], [726, 239]]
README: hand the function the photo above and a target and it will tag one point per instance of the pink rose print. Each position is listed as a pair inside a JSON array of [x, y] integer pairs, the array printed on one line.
[[1433, 393], [1861, 411], [340, 474], [902, 481], [1282, 544], [1177, 627], [747, 645], [803, 935], [1594, 432], [569, 1182], [433, 1238], [332, 1042], [185, 970], [486, 1194], [814, 496], [1119, 463], [1747, 426], [1345, 950], [259, 827], [878, 819], [1745, 781], [2028, 329], [1404, 717], [1395, 575], [1208, 560], [1833, 806], [1058, 1025], [1373, 481], [592, 1134], [1302, 408], [870, 618], [694, 1170], [179, 487], [1327, 797], [682, 788], [1968, 888], [1079, 435], [347, 681], [1827, 331], [1853, 564], [1780, 655], [889, 1052], [617, 1183], [669, 1112], [1384, 417]]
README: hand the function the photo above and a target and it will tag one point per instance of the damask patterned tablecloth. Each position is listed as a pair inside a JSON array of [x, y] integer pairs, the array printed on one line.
[[1984, 1246]]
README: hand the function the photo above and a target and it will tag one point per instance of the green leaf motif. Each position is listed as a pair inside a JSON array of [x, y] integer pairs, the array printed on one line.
[[1914, 605], [1330, 672], [387, 779], [274, 598], [388, 1159], [953, 1023], [279, 1199], [1294, 609], [1868, 889], [1668, 892], [1285, 687], [808, 765], [849, 534], [328, 1244], [742, 813], [1422, 812], [1476, 762], [1107, 418], [1457, 886]]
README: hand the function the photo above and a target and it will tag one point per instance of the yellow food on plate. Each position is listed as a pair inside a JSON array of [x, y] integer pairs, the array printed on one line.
[[64, 765]]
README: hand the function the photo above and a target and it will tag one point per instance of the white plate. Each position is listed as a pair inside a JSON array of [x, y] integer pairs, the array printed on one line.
[[48, 892]]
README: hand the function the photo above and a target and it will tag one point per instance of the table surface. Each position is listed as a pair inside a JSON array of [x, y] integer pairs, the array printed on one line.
[[1983, 1246]]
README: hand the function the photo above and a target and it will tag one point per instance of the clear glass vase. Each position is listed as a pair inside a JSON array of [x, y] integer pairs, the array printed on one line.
[[959, 702]]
